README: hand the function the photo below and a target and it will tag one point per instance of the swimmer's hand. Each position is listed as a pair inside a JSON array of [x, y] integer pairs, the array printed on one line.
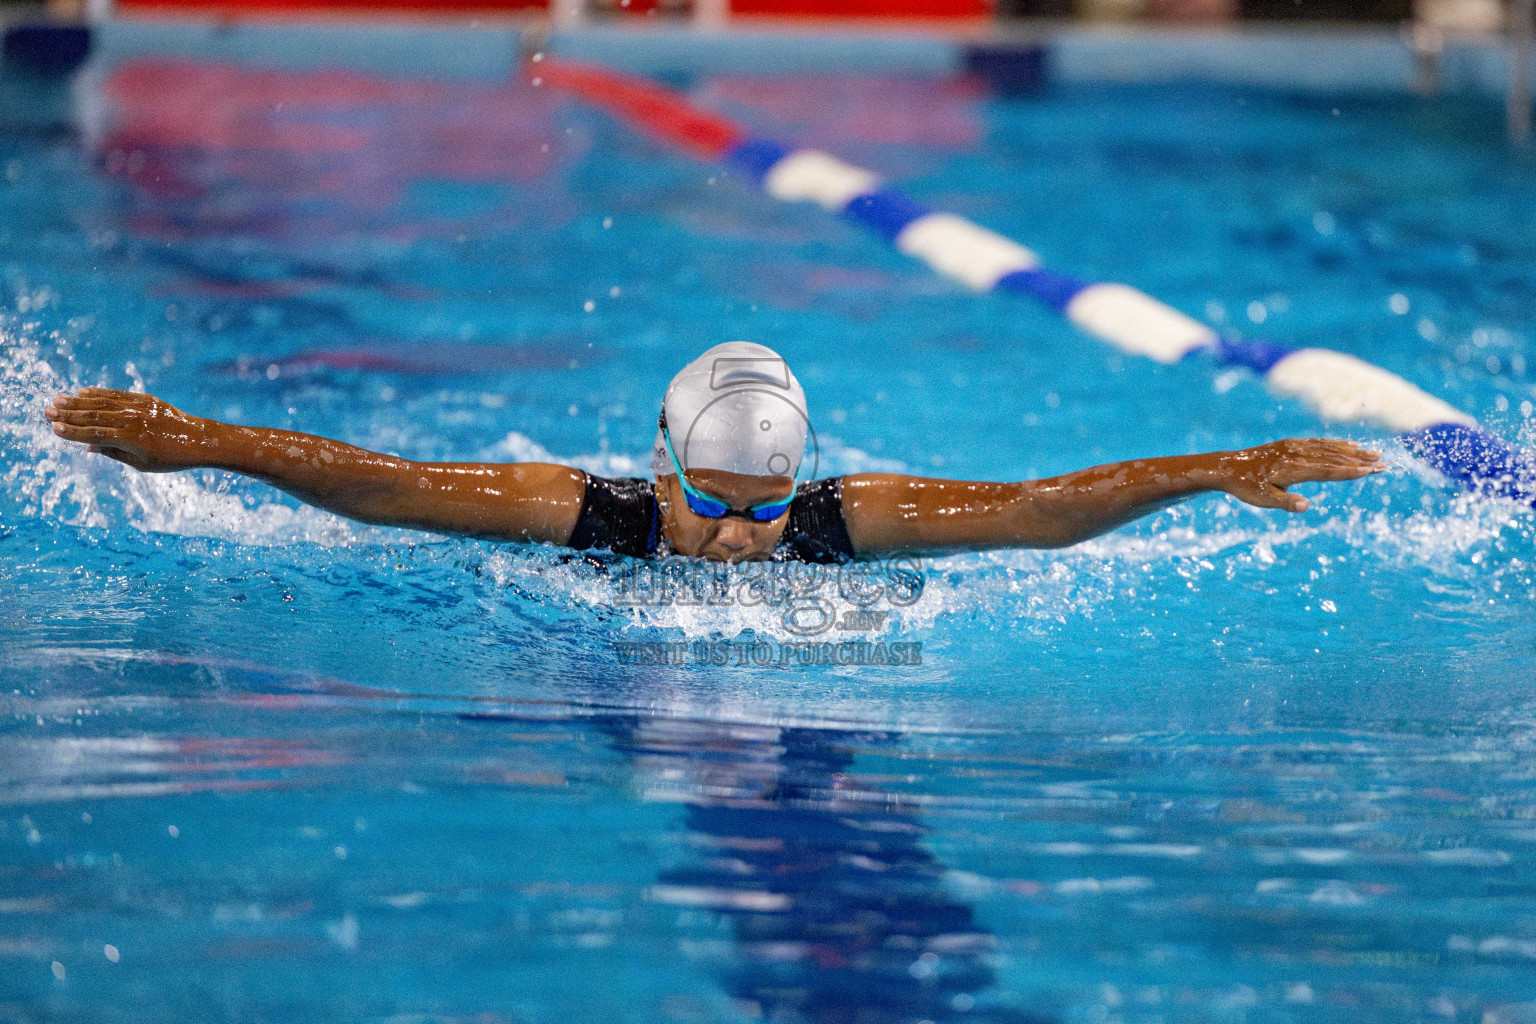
[[140, 430], [1260, 476]]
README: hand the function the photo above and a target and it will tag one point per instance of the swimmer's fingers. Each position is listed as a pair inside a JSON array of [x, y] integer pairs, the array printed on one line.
[[1330, 470], [1296, 460], [136, 429], [1284, 499], [93, 417], [1354, 455], [1263, 494], [1347, 471], [88, 435], [97, 406], [108, 398], [1317, 448], [76, 402], [1260, 476]]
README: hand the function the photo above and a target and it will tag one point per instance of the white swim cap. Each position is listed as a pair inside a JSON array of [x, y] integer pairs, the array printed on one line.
[[737, 408]]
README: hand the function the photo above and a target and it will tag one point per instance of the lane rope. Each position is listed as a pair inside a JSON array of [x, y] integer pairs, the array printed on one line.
[[1336, 386]]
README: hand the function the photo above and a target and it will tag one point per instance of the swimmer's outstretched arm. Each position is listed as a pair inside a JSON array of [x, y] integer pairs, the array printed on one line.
[[516, 501], [888, 512]]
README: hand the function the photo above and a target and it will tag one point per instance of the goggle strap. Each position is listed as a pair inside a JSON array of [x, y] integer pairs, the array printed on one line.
[[695, 497]]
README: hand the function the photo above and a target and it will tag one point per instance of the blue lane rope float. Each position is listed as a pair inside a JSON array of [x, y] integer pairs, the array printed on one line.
[[1336, 386]]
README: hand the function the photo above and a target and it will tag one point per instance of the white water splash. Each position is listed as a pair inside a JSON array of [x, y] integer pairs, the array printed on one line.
[[60, 481], [44, 476], [518, 447]]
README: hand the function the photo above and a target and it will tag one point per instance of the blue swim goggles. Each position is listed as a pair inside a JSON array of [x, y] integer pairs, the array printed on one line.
[[713, 508]]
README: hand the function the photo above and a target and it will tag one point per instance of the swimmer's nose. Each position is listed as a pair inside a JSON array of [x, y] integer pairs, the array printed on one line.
[[733, 536]]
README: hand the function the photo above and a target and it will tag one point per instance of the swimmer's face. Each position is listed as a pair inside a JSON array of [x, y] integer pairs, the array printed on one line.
[[731, 539]]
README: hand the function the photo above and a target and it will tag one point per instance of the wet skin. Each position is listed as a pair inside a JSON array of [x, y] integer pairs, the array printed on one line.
[[531, 501]]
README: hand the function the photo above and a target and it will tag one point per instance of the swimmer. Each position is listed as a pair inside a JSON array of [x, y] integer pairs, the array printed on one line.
[[726, 466]]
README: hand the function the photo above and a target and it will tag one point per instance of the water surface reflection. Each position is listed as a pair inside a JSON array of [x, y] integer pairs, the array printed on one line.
[[835, 909]]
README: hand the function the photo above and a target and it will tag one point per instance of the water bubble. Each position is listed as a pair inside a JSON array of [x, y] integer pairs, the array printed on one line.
[[1299, 992], [345, 932]]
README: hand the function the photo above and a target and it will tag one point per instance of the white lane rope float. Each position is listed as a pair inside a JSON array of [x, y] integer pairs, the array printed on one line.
[[1336, 386]]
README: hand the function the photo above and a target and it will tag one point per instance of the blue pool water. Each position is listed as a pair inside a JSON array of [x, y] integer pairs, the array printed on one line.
[[261, 764]]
